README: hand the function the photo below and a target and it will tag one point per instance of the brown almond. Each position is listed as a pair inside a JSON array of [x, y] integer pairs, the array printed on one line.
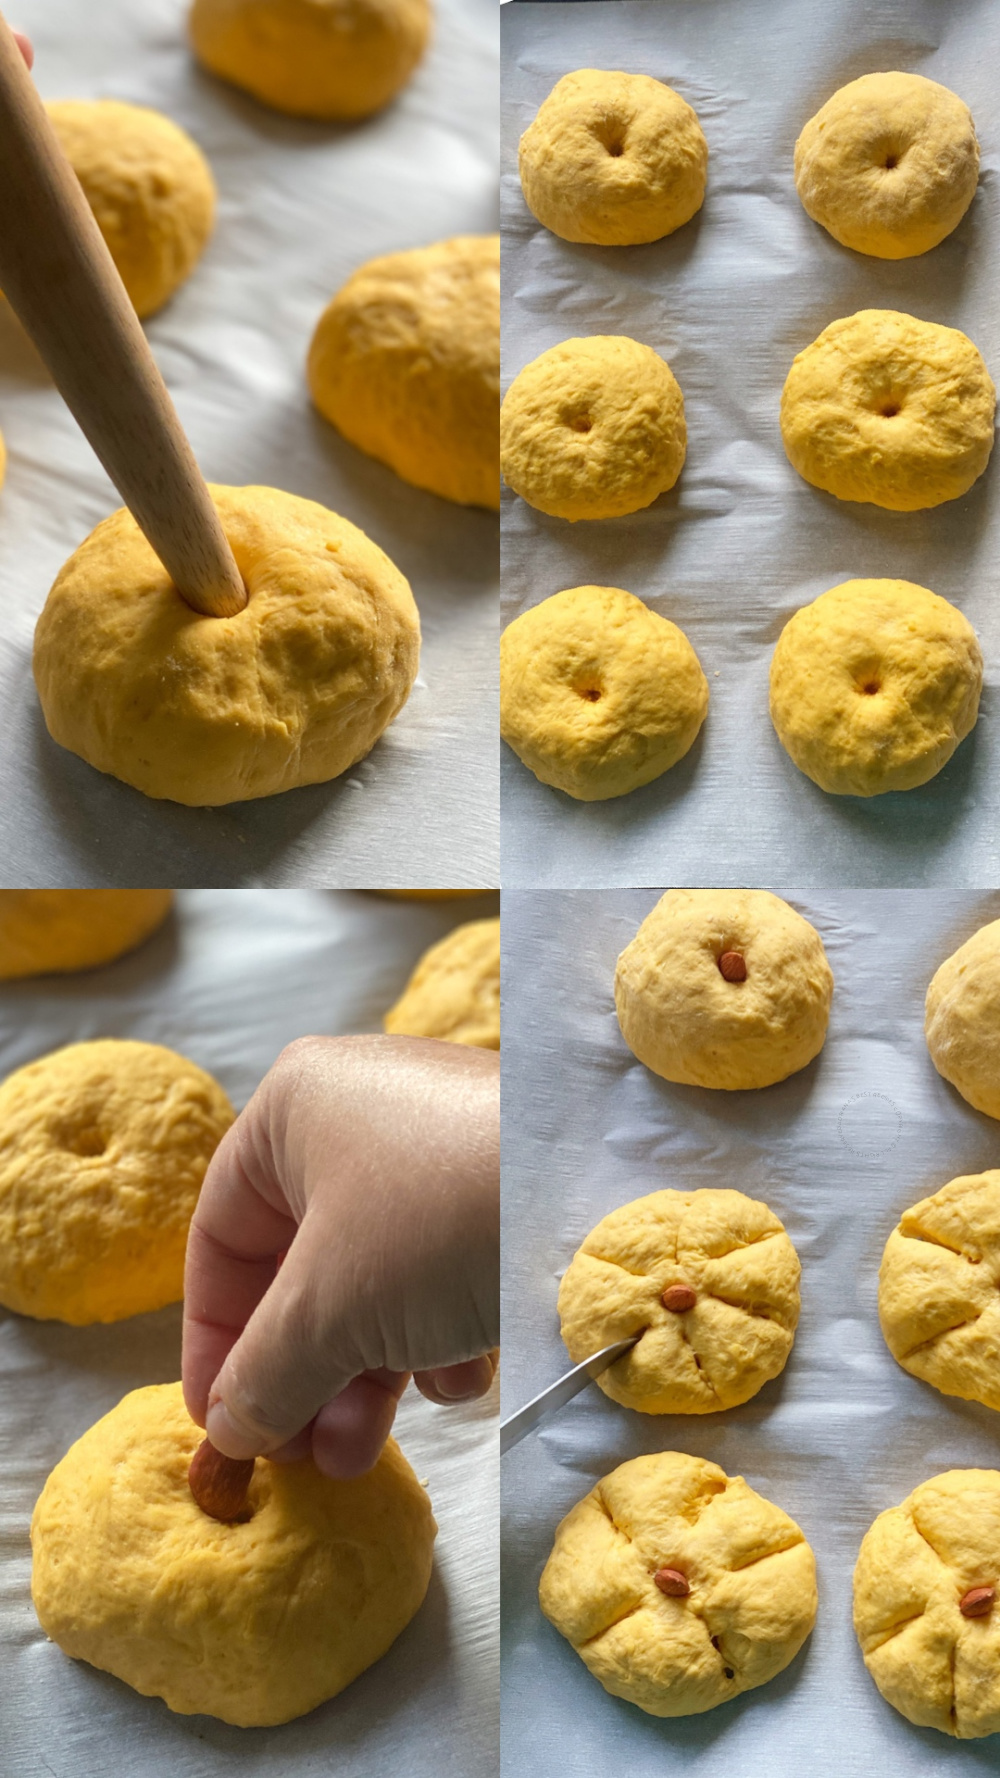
[[672, 1582], [678, 1298], [219, 1484], [977, 1601], [733, 966]]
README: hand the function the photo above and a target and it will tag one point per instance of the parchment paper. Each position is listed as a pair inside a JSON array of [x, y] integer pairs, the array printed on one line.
[[233, 978], [300, 206], [838, 1151], [742, 541]]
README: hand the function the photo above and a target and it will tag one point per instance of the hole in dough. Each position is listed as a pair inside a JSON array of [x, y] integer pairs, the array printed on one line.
[[85, 1142], [870, 687], [581, 423], [591, 692], [889, 410], [891, 162]]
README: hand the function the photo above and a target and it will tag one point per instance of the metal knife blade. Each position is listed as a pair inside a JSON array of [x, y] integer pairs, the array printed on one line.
[[513, 1429]]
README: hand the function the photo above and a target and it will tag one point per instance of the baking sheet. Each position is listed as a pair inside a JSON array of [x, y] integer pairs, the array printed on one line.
[[230, 980], [838, 1151], [742, 541], [300, 206]]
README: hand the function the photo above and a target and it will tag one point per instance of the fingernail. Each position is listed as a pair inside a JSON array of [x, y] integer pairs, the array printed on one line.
[[229, 1438], [451, 1393]]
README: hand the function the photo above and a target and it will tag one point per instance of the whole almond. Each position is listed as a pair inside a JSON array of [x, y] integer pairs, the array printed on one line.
[[219, 1484], [977, 1601], [678, 1298], [672, 1582], [733, 966]]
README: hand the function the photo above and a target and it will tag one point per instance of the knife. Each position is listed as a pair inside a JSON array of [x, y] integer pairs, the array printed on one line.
[[513, 1429]]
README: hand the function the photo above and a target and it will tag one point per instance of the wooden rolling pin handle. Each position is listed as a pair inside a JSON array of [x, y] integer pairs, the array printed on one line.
[[60, 279]]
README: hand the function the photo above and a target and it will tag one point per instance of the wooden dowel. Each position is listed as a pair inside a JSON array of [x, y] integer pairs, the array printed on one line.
[[60, 279]]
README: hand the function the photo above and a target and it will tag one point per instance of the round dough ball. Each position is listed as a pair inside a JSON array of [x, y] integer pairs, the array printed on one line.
[[937, 1667], [454, 992], [104, 1147], [939, 1289], [598, 694], [254, 1622], [206, 710], [53, 931], [889, 165], [337, 59], [890, 410], [751, 1574], [682, 1017], [874, 685], [149, 186], [732, 1253], [613, 158], [593, 429], [962, 1019], [405, 362]]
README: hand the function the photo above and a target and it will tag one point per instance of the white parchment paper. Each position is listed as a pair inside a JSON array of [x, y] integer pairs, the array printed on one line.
[[300, 206], [742, 542], [230, 980], [838, 1151]]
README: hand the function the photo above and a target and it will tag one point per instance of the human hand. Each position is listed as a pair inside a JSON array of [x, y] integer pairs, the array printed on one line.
[[346, 1236], [24, 45]]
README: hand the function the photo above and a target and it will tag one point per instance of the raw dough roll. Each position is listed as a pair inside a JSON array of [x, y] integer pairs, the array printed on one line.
[[962, 1019], [710, 1282], [890, 410], [405, 362], [104, 1148], [874, 685], [598, 694], [255, 1621], [149, 186], [454, 992], [593, 429], [932, 1650], [205, 710], [724, 988], [679, 1586], [313, 58], [613, 158], [50, 931], [889, 165]]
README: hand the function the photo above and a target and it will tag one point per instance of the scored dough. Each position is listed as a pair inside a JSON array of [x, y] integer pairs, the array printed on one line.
[[751, 1574], [917, 1561], [939, 1289], [103, 1150], [732, 1253], [613, 158], [454, 992], [598, 694], [206, 710], [889, 165], [962, 1019], [405, 362], [313, 58], [890, 410], [681, 1016], [48, 931], [593, 429], [149, 186], [254, 1622], [874, 685]]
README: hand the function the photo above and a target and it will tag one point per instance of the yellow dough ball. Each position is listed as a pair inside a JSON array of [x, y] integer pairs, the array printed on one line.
[[206, 710], [890, 410], [598, 694], [724, 988], [613, 158], [678, 1586], [874, 685], [255, 1621], [454, 992], [103, 1148], [405, 362], [593, 429], [149, 186], [939, 1289], [962, 1019], [337, 59], [710, 1282], [889, 165], [50, 931], [935, 1662]]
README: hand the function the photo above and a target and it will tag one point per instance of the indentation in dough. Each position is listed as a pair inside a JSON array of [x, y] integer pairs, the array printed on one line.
[[765, 1555], [592, 693], [87, 1141]]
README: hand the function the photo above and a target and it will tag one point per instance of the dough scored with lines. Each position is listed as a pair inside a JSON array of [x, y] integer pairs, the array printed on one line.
[[939, 1289]]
